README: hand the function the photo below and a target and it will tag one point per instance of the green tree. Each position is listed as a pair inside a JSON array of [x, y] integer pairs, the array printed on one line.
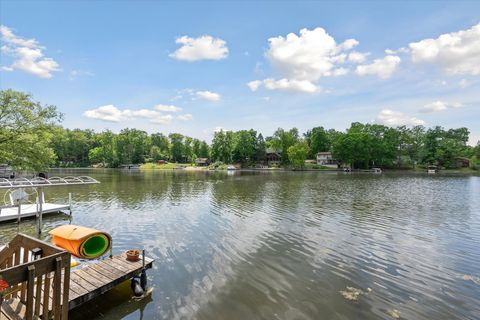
[[410, 144], [176, 147], [161, 141], [107, 141], [317, 140], [155, 153], [282, 140], [26, 129], [204, 150], [222, 146], [132, 146], [260, 148], [95, 155], [243, 149], [298, 153], [190, 156]]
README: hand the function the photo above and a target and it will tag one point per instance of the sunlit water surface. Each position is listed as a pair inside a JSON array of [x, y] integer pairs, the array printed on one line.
[[285, 245]]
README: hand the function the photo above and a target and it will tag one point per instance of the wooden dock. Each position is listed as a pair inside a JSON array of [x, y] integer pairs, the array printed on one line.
[[77, 285], [30, 210], [97, 278]]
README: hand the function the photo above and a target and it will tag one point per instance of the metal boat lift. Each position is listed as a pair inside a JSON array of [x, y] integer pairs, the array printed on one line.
[[16, 210]]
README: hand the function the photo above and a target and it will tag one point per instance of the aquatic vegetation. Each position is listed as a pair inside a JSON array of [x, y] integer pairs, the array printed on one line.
[[395, 314], [351, 294], [468, 277]]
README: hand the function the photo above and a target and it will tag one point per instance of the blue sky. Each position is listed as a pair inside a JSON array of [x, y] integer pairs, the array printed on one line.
[[193, 67]]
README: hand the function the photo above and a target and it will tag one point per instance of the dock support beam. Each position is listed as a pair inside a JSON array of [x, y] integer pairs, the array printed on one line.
[[19, 204], [40, 209], [70, 202]]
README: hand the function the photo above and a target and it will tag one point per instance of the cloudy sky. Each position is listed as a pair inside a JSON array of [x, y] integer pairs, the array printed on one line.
[[194, 67]]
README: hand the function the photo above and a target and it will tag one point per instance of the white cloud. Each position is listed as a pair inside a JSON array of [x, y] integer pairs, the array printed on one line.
[[185, 117], [113, 114], [383, 68], [394, 118], [201, 48], [74, 74], [28, 55], [207, 95], [162, 119], [437, 106], [311, 55], [340, 72], [9, 37], [398, 51], [142, 113], [106, 113], [254, 85], [303, 59], [167, 108], [290, 85], [357, 57], [284, 84], [455, 52]]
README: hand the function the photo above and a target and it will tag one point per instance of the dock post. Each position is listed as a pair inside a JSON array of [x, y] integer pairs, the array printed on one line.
[[40, 212], [19, 204], [70, 202]]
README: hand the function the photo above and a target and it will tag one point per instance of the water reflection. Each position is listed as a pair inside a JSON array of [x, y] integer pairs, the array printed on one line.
[[252, 245]]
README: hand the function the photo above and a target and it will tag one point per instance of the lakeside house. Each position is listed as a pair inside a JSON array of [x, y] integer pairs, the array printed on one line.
[[202, 162], [461, 162], [326, 159], [273, 156]]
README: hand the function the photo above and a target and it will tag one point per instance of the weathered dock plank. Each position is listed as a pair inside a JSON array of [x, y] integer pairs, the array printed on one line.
[[100, 277]]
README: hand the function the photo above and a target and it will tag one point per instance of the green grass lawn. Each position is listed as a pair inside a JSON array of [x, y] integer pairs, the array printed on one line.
[[166, 166]]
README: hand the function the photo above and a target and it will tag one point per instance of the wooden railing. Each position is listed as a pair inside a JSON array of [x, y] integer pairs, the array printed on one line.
[[38, 275]]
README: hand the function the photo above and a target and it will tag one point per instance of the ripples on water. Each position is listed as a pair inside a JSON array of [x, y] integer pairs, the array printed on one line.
[[289, 245]]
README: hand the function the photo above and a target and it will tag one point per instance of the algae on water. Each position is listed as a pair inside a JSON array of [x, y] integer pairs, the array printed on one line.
[[395, 314], [351, 294]]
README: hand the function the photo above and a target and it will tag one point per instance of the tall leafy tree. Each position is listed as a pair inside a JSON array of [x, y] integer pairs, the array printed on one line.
[[243, 149], [177, 148], [317, 140], [204, 150], [132, 146], [188, 150], [298, 153], [222, 146], [26, 129], [260, 148], [282, 140], [161, 141]]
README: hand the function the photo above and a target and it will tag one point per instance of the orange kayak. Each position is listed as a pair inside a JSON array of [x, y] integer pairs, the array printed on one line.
[[83, 242]]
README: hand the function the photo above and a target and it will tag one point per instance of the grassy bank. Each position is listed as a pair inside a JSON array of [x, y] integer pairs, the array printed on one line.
[[166, 166]]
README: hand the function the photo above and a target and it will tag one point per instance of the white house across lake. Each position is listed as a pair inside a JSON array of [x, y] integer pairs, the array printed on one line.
[[326, 159]]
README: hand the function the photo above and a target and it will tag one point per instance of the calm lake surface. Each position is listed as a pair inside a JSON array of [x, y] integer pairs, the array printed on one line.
[[285, 245]]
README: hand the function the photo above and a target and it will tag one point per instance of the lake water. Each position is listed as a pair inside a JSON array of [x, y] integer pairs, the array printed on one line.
[[286, 245]]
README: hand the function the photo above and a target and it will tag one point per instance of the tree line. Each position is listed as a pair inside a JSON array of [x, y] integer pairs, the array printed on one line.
[[31, 138], [130, 146]]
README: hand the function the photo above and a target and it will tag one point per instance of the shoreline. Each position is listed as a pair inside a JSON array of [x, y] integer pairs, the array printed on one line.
[[327, 170]]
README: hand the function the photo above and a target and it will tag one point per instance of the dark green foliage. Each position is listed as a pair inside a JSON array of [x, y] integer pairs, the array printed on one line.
[[26, 129]]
